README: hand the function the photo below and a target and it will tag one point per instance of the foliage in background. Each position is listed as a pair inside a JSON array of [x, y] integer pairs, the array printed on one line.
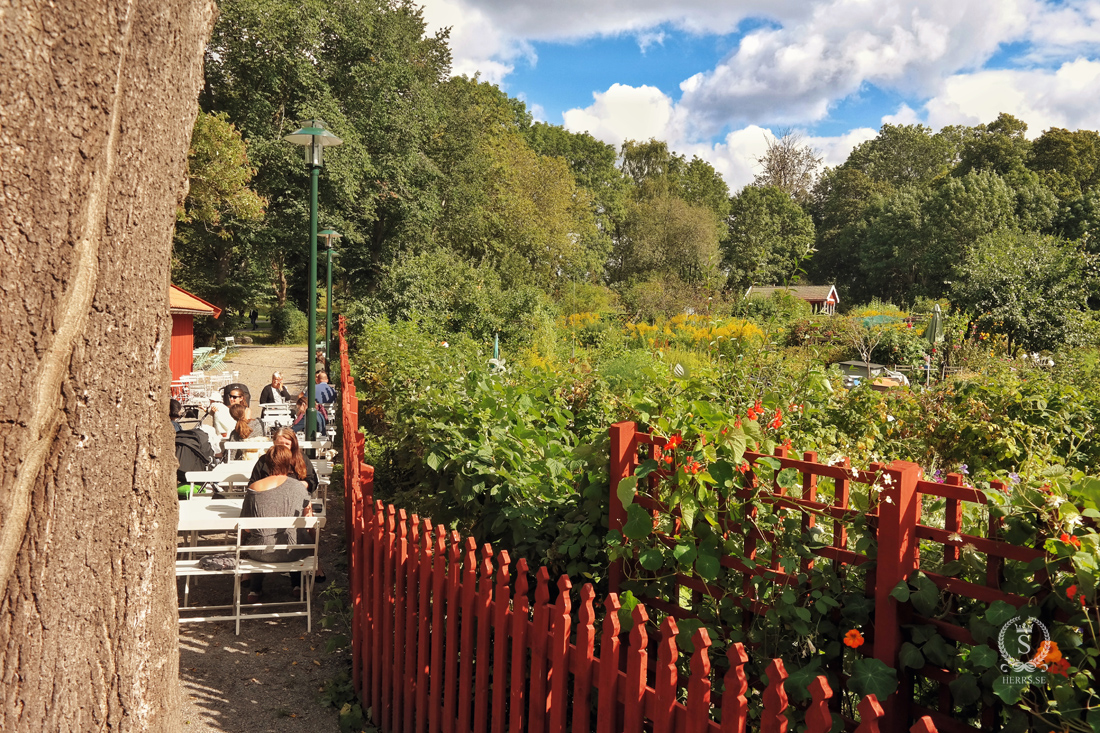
[[289, 325]]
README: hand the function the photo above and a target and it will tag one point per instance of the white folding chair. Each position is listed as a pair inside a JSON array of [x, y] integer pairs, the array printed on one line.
[[188, 566]]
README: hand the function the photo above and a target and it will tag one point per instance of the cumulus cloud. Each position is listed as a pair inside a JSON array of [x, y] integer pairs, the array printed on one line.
[[639, 113], [793, 74], [625, 113], [1062, 97]]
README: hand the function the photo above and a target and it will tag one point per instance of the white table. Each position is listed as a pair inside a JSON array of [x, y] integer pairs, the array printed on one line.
[[203, 514]]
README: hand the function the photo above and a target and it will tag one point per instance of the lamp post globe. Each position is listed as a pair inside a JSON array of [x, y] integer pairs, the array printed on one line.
[[315, 136], [330, 236]]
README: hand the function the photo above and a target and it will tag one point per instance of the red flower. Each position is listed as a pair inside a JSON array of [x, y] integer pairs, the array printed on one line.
[[1071, 591], [668, 459], [674, 442], [853, 639], [737, 423], [725, 430], [751, 414], [1082, 599], [787, 444], [744, 467], [1060, 667], [1070, 539]]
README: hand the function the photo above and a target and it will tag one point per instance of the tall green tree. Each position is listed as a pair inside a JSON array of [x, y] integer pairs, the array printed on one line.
[[1068, 161], [902, 154], [1000, 147], [1031, 288], [370, 71], [770, 237], [214, 253]]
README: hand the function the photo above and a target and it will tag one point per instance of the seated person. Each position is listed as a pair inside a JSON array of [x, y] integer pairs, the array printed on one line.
[[323, 393], [304, 471], [246, 428], [193, 452], [175, 413], [223, 421], [235, 392], [279, 494], [275, 392], [299, 425]]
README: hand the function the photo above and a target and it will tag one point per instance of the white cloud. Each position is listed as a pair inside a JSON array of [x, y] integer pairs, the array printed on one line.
[[624, 113], [1063, 97], [639, 113], [905, 115], [793, 74]]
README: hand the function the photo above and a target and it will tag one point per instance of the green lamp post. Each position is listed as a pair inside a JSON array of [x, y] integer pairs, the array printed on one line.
[[330, 235], [315, 137]]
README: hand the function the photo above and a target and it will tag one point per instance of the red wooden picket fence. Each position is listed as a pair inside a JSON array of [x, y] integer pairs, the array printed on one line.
[[895, 518], [447, 638]]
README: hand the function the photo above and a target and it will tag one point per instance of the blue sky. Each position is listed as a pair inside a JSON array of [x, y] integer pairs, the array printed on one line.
[[716, 79]]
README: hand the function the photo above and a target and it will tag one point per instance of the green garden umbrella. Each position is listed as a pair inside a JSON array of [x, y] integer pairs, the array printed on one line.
[[934, 330]]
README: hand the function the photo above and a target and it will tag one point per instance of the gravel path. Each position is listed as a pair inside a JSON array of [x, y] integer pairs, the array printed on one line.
[[270, 677]]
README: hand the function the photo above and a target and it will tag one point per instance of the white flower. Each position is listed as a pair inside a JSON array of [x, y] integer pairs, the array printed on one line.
[[954, 537], [1054, 500], [889, 500], [888, 480], [1074, 520]]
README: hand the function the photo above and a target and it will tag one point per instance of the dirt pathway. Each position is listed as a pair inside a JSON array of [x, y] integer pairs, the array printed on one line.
[[270, 677]]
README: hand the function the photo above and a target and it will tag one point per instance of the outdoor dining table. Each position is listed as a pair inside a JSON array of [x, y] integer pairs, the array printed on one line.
[[201, 514]]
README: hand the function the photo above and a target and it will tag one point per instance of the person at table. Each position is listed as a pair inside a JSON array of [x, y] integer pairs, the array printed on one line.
[[303, 468], [246, 428], [323, 392], [236, 392], [299, 425], [280, 494], [275, 393], [175, 413]]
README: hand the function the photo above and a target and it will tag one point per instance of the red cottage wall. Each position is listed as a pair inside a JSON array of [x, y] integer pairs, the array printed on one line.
[[183, 344]]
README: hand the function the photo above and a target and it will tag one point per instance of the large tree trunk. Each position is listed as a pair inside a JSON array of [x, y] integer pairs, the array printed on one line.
[[97, 101]]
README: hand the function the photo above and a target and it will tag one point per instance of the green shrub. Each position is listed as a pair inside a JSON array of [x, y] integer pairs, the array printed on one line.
[[289, 325]]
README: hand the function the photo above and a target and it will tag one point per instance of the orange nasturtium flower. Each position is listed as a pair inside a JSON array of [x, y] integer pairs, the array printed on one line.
[[853, 638], [1054, 654]]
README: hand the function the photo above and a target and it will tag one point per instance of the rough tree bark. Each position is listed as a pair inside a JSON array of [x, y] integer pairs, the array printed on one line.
[[96, 107]]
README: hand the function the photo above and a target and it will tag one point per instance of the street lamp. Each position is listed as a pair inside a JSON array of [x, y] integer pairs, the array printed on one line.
[[330, 235], [315, 137]]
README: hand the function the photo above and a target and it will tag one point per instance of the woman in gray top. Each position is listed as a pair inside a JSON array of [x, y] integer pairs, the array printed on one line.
[[277, 495]]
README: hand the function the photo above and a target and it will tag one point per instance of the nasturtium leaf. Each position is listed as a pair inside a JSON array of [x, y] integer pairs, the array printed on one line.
[[708, 567], [639, 523], [627, 602], [1009, 694], [772, 463], [965, 689], [652, 559], [626, 490], [685, 553], [723, 473], [982, 657], [788, 478], [645, 468], [910, 656], [900, 591], [926, 597], [937, 651], [687, 628], [873, 677], [999, 613]]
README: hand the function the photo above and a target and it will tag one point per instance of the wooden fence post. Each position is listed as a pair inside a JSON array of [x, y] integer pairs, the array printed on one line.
[[899, 512], [774, 718], [698, 702], [624, 459], [557, 702], [609, 667], [582, 666], [483, 655], [501, 627], [665, 676], [520, 622], [735, 706], [637, 663]]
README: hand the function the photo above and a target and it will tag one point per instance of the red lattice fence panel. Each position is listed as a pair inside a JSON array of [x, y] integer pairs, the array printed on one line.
[[895, 518]]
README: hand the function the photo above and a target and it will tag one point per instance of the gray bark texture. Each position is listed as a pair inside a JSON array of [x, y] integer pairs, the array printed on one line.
[[97, 102]]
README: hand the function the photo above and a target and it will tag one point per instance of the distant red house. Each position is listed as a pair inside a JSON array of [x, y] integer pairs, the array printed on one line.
[[822, 298], [184, 307]]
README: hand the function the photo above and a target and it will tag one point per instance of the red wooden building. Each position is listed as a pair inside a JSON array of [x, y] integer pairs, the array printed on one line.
[[184, 307], [822, 298]]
